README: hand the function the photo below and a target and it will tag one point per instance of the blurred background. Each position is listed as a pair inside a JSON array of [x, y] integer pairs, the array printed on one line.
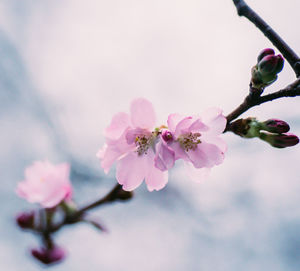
[[67, 66]]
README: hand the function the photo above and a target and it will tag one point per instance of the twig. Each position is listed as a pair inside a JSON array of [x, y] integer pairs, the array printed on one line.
[[117, 193], [291, 90], [244, 10]]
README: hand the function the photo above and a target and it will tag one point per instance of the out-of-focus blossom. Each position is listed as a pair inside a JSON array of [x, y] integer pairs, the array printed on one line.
[[48, 255], [132, 142], [196, 140], [46, 184]]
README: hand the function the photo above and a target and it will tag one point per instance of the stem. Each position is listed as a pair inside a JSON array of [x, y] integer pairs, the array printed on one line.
[[117, 193], [252, 100], [244, 10]]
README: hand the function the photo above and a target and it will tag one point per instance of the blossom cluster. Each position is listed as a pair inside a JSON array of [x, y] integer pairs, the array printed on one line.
[[144, 151]]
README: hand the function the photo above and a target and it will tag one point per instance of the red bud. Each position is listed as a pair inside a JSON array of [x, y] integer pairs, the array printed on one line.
[[25, 220], [48, 256], [265, 52]]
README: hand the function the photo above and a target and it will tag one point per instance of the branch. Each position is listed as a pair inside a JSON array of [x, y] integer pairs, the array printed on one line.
[[117, 193], [244, 10], [251, 100]]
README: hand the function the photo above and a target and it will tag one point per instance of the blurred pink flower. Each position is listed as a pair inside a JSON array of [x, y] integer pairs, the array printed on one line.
[[46, 184], [132, 142], [196, 140]]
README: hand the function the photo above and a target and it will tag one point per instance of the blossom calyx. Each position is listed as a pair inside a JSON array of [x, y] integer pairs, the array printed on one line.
[[247, 128], [280, 140]]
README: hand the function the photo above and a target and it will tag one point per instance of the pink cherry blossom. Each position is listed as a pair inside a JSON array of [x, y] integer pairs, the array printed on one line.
[[46, 184], [196, 140], [133, 142]]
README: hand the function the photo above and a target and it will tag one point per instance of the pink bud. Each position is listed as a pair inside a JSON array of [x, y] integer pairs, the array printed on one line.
[[280, 140], [167, 136], [280, 64], [48, 256], [275, 126], [265, 52], [25, 220]]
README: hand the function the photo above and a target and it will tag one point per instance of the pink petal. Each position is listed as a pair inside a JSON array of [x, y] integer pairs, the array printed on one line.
[[111, 155], [165, 157], [142, 114], [131, 170], [54, 198], [216, 121], [214, 155], [206, 155], [120, 122], [198, 126], [179, 152], [198, 157], [155, 179], [183, 126], [216, 140], [112, 151], [173, 120]]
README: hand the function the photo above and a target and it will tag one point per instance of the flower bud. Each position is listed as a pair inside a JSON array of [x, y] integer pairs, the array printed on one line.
[[25, 220], [280, 140], [265, 52], [270, 65], [264, 73], [167, 136], [275, 126], [48, 256]]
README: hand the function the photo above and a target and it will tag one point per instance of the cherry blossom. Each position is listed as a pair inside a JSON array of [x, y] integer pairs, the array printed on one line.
[[46, 184], [133, 142], [196, 140]]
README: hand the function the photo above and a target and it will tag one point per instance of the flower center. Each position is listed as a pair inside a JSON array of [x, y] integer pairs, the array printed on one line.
[[143, 142], [189, 141]]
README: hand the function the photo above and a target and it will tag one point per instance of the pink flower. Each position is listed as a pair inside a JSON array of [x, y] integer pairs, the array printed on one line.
[[196, 140], [46, 184], [132, 141]]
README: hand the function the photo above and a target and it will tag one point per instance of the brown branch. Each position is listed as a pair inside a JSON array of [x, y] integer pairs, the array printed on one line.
[[117, 193], [244, 10], [251, 100]]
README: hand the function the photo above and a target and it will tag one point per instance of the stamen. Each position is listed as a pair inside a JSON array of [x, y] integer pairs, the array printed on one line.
[[189, 141], [143, 143]]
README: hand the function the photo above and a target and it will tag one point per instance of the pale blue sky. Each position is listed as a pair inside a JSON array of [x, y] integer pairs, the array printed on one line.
[[67, 66]]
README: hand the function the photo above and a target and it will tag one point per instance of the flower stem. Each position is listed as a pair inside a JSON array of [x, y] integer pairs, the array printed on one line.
[[117, 193]]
